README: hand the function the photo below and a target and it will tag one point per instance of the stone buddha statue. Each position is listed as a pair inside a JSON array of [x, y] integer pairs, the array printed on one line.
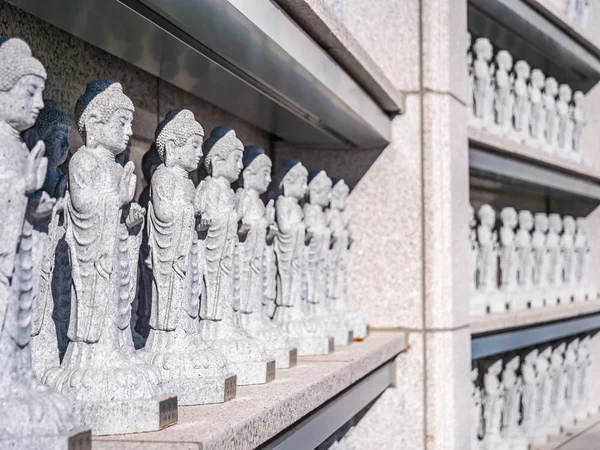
[[112, 387], [254, 264], [291, 311], [53, 287], [32, 414], [197, 373], [319, 258], [341, 240], [219, 309]]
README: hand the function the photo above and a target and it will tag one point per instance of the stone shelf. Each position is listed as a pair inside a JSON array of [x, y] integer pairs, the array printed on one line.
[[510, 147], [309, 400], [526, 318], [531, 31], [501, 159]]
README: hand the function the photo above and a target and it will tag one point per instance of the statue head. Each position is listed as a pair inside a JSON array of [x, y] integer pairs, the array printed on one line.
[[522, 70], [104, 115], [223, 154], [483, 48], [541, 222], [504, 60], [22, 81], [257, 169], [551, 86], [546, 353], [569, 224], [487, 216], [513, 363], [469, 39], [496, 367], [150, 162], [179, 140], [53, 127], [474, 374], [508, 216], [319, 188], [581, 225], [294, 179], [525, 220], [564, 92], [537, 78], [555, 223], [339, 194], [531, 357], [578, 98]]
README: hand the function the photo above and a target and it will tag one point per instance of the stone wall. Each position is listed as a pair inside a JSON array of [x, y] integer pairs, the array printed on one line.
[[71, 63]]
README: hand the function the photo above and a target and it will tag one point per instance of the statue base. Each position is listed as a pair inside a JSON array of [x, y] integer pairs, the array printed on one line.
[[253, 372], [537, 299], [478, 305], [78, 439], [284, 358], [497, 303], [592, 292], [581, 415], [358, 324], [552, 297], [273, 338], [127, 416], [579, 295], [202, 391], [314, 345]]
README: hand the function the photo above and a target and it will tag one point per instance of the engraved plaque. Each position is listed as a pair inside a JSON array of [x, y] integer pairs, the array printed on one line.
[[331, 341], [230, 387], [270, 371], [350, 336], [81, 440], [168, 412], [293, 357]]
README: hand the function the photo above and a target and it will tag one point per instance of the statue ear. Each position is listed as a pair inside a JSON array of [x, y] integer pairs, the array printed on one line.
[[169, 149]]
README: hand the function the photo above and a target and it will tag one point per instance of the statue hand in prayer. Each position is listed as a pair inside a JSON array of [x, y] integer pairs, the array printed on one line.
[[135, 216], [41, 206], [309, 235], [243, 229], [272, 231], [35, 169], [204, 224], [180, 266], [127, 186]]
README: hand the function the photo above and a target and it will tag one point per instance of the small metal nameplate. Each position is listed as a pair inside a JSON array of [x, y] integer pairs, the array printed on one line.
[[331, 342], [230, 387], [293, 357], [350, 336], [81, 440], [168, 412], [270, 371]]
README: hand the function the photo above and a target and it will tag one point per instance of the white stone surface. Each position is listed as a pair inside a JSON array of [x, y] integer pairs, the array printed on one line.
[[31, 412]]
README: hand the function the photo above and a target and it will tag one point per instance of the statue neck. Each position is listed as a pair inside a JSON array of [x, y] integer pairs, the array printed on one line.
[[9, 132], [223, 181], [104, 153], [180, 171]]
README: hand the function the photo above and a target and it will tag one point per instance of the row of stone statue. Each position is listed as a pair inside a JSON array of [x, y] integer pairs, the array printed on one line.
[[525, 397], [578, 10], [522, 104], [525, 261], [234, 287]]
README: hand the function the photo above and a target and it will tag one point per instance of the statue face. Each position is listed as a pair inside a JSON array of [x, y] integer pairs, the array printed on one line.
[[509, 217], [20, 106], [487, 217], [113, 134], [525, 220], [555, 223], [565, 93], [230, 167], [541, 223], [569, 225], [319, 194], [258, 178], [57, 145], [296, 187], [186, 156], [338, 199]]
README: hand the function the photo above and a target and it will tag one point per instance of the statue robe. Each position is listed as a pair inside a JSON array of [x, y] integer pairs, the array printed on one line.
[[172, 240], [99, 244], [217, 204], [317, 256], [339, 260], [252, 249], [289, 249], [16, 265]]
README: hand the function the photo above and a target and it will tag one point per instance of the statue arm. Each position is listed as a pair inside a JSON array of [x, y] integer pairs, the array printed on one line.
[[282, 215]]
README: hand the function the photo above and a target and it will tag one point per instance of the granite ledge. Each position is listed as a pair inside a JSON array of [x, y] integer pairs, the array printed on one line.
[[259, 413], [518, 150], [572, 28], [528, 317], [319, 22]]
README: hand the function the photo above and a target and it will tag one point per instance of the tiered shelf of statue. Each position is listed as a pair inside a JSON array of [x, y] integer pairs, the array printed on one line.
[[534, 305]]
